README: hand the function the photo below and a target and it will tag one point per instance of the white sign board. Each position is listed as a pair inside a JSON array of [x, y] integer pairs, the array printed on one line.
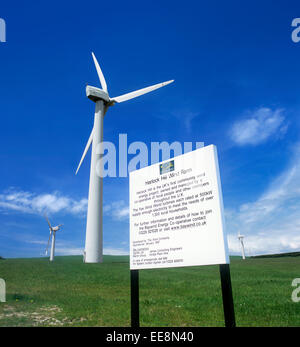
[[176, 213]]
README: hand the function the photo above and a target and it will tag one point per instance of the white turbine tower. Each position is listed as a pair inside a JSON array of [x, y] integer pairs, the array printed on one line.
[[94, 241], [241, 237], [53, 231]]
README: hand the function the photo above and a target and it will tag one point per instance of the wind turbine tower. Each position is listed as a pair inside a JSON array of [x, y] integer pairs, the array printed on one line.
[[241, 239], [93, 252]]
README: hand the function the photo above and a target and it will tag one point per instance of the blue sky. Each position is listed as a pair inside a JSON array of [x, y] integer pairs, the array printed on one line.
[[236, 74]]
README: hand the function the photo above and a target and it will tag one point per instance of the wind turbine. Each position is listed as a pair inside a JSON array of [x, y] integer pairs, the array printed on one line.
[[53, 231], [93, 252], [241, 237]]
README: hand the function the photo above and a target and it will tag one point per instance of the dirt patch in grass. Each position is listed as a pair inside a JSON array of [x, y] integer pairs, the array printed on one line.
[[43, 316]]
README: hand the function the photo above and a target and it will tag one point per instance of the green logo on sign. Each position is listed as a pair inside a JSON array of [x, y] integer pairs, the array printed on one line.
[[166, 167]]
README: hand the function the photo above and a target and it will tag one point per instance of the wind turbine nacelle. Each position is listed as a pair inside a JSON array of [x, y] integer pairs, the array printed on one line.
[[96, 94]]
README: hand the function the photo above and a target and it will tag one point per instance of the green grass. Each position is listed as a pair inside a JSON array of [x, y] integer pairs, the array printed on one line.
[[70, 293]]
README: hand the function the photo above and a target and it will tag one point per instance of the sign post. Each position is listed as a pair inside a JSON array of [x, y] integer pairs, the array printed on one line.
[[177, 219], [227, 296], [135, 310]]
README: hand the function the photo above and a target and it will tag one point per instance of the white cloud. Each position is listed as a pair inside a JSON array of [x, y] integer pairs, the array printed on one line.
[[258, 126], [118, 210], [115, 251], [37, 242], [65, 250], [271, 224], [28, 202]]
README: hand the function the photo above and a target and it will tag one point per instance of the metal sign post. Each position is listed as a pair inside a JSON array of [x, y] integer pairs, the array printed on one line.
[[135, 311], [227, 296]]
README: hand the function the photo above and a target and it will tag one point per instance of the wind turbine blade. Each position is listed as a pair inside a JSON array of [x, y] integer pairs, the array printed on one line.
[[139, 92], [47, 220], [85, 150], [100, 74]]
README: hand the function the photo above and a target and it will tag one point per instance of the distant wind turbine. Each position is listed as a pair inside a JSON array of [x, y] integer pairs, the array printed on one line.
[[53, 231], [94, 238], [241, 237]]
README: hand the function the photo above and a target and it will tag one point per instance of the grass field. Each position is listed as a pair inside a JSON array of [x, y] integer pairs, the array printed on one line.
[[70, 293]]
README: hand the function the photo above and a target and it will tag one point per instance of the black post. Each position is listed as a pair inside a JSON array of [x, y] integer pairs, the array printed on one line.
[[135, 310], [227, 296]]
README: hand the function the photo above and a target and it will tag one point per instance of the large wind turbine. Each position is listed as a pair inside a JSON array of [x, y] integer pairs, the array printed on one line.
[[53, 231], [241, 239], [94, 241]]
